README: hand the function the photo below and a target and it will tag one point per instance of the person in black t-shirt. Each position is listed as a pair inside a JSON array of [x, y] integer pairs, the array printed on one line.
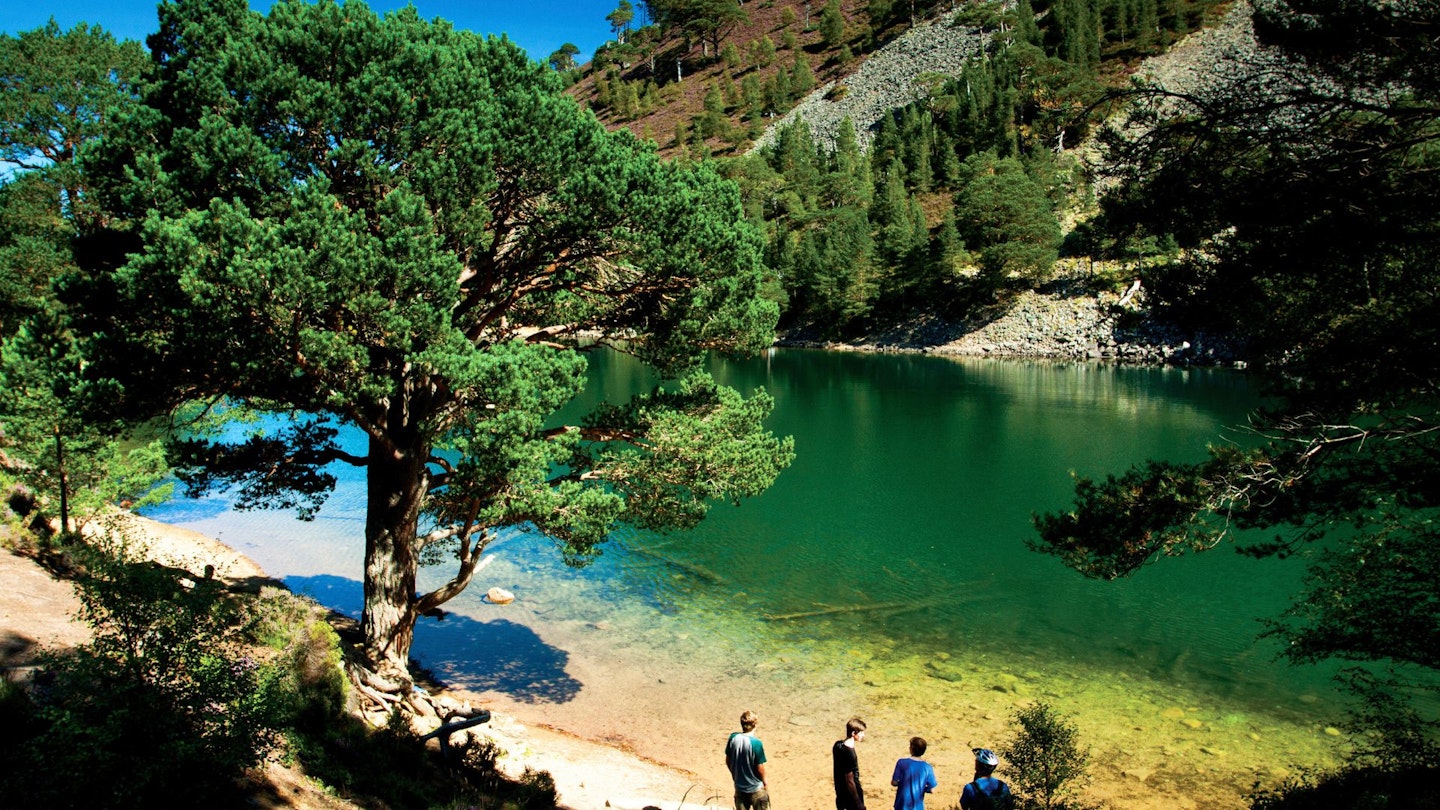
[[848, 793]]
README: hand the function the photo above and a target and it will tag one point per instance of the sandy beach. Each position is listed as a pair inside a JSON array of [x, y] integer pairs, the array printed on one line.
[[626, 726], [37, 611]]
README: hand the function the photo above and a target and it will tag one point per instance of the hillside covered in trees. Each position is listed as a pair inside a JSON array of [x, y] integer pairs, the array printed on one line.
[[961, 195]]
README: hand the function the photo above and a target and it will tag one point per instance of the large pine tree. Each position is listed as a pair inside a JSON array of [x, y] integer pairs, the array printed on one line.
[[389, 224]]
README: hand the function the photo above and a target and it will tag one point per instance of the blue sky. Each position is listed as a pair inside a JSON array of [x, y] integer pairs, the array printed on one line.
[[538, 26]]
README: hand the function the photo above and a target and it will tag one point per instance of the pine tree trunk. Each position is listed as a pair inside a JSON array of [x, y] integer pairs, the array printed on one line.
[[395, 490]]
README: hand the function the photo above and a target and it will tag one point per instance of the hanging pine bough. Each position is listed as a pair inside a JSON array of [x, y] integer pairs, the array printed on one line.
[[393, 225], [1299, 177]]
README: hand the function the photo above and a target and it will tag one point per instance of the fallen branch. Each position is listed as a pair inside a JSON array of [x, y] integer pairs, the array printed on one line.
[[442, 734], [831, 611], [697, 571]]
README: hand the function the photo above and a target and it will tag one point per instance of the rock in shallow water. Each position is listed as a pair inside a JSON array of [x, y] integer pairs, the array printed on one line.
[[945, 671]]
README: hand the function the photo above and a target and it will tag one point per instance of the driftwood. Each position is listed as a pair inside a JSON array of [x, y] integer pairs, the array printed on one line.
[[831, 611], [1130, 293], [894, 607], [442, 734], [697, 571]]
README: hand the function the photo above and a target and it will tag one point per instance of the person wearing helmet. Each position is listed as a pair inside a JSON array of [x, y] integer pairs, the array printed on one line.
[[986, 792]]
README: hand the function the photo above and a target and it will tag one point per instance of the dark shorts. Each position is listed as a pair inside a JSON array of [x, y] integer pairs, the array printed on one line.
[[759, 800]]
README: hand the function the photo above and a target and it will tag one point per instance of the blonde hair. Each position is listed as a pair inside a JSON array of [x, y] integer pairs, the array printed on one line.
[[748, 719]]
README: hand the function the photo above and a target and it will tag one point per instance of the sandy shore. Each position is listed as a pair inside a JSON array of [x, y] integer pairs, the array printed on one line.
[[37, 611], [636, 717]]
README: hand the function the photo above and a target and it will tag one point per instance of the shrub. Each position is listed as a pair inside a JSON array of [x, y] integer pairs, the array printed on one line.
[[1045, 756], [536, 790], [1355, 787], [308, 650], [161, 708]]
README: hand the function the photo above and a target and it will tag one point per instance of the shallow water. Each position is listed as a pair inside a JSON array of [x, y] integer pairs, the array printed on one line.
[[886, 572]]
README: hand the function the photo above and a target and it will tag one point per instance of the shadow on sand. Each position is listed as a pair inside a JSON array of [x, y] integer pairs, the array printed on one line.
[[493, 656]]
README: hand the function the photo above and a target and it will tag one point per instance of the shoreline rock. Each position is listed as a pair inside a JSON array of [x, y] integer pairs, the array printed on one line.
[[1062, 321]]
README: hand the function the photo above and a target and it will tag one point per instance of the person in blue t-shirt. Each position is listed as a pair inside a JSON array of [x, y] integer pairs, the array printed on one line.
[[745, 757], [913, 777], [986, 791]]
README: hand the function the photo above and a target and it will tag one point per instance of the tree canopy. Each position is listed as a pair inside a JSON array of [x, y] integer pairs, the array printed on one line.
[[386, 223], [59, 91], [708, 20]]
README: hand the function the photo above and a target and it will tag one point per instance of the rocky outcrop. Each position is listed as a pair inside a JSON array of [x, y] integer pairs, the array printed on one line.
[[1064, 320], [884, 82], [1071, 318]]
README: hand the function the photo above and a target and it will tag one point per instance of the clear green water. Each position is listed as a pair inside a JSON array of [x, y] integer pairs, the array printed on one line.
[[902, 523], [914, 485]]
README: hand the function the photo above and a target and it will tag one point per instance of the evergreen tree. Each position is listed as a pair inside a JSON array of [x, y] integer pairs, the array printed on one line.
[[60, 92], [620, 18], [891, 215], [1026, 31], [802, 81], [730, 55], [834, 268], [947, 254], [918, 135], [793, 157], [832, 24], [421, 282], [1074, 33], [848, 183], [1006, 216], [712, 123], [564, 57], [1303, 178], [753, 98], [762, 52], [885, 147], [889, 198], [75, 463], [34, 247], [1147, 24], [777, 90], [729, 92], [710, 21]]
